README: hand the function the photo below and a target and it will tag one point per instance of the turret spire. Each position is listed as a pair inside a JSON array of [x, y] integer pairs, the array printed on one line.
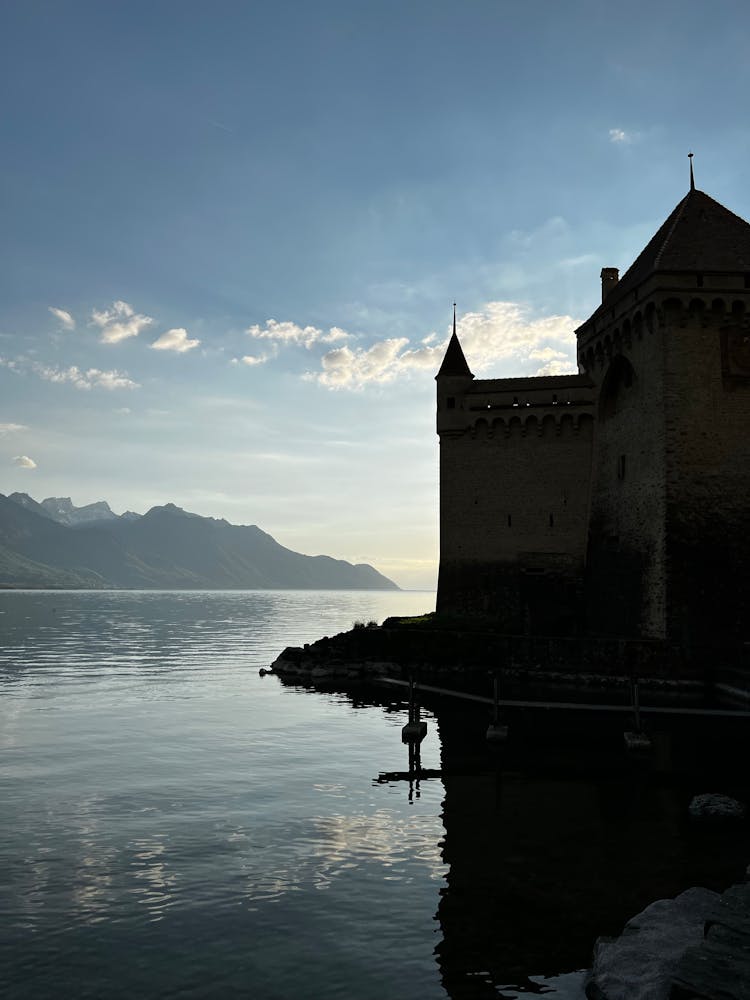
[[454, 362], [692, 179]]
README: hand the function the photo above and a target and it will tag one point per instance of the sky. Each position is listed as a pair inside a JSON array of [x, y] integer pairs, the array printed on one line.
[[232, 234]]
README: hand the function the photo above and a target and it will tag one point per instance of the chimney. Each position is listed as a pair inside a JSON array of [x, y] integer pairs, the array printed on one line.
[[610, 276]]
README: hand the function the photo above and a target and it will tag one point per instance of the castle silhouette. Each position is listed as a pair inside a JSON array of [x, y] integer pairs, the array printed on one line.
[[615, 501]]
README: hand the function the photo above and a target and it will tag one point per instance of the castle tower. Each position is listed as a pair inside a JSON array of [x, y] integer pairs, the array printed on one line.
[[669, 351]]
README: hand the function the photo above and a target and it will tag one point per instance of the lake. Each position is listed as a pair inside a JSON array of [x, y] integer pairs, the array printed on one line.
[[174, 825]]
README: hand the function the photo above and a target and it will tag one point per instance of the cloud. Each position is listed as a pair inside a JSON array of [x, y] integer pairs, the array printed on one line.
[[500, 335], [252, 359], [345, 368], [24, 462], [92, 378], [11, 428], [119, 322], [66, 320], [175, 340], [291, 333], [620, 137]]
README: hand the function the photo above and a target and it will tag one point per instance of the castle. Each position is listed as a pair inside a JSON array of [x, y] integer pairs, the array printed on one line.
[[616, 501]]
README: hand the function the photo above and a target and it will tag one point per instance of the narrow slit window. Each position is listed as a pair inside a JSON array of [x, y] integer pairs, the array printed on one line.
[[551, 520], [510, 521], [621, 467]]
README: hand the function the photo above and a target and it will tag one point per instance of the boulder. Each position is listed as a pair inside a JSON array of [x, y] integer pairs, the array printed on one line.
[[715, 806], [639, 964]]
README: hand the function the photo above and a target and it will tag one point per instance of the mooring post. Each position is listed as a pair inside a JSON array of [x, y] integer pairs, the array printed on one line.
[[636, 705], [497, 732], [636, 741], [414, 731]]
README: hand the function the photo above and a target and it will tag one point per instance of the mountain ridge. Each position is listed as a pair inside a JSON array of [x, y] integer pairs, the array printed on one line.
[[165, 548]]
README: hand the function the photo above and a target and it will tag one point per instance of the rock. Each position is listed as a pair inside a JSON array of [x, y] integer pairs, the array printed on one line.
[[640, 963], [715, 806]]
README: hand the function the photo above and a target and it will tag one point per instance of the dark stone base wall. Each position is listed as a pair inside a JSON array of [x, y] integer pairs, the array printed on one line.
[[614, 590], [708, 585], [534, 601]]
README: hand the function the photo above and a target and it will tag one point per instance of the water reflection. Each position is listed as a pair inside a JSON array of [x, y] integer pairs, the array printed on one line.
[[561, 838], [162, 801]]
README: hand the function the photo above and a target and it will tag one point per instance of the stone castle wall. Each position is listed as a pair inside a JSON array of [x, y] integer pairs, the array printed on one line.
[[707, 414], [514, 498], [626, 555]]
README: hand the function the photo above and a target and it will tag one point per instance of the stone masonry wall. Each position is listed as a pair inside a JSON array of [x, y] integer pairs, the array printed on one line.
[[625, 573], [514, 504], [707, 405]]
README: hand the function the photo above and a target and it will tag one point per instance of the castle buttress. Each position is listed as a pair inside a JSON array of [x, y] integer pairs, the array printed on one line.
[[614, 501]]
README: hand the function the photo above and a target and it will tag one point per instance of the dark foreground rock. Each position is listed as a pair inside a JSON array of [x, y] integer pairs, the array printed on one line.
[[693, 947]]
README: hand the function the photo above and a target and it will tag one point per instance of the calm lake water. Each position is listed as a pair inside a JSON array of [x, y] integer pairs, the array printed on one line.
[[174, 825]]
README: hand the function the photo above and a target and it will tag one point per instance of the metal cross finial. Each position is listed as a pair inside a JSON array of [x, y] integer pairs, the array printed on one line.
[[454, 319], [692, 179]]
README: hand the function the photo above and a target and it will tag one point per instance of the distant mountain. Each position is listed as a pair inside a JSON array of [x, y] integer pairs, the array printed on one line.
[[166, 548], [62, 510]]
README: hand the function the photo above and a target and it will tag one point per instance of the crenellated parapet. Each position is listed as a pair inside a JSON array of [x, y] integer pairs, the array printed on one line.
[[546, 405], [620, 330]]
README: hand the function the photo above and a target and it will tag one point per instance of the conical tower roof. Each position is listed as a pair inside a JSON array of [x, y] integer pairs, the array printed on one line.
[[454, 362], [700, 236]]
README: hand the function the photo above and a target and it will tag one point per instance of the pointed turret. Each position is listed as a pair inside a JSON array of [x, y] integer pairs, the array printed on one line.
[[454, 362]]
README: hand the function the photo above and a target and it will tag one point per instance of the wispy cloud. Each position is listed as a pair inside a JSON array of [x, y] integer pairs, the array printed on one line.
[[251, 360], [66, 320], [91, 378], [501, 334], [24, 462], [11, 428], [175, 340], [119, 323], [291, 333], [620, 137]]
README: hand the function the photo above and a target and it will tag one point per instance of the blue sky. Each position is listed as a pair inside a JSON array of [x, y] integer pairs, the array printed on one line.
[[232, 234]]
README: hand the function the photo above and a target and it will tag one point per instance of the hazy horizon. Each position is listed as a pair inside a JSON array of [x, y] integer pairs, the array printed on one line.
[[233, 235]]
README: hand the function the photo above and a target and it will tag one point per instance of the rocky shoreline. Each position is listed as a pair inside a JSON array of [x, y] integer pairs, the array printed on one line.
[[403, 648]]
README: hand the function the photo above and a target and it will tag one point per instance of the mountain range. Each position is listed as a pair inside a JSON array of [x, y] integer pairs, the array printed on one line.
[[58, 545]]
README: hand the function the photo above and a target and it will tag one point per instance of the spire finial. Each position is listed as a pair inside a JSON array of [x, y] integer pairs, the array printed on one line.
[[692, 179], [454, 319]]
